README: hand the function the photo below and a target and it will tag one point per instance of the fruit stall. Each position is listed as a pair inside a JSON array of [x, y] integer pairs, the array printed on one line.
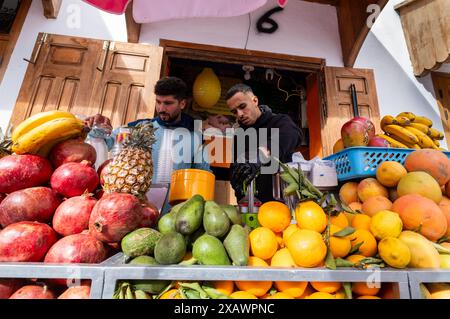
[[70, 230]]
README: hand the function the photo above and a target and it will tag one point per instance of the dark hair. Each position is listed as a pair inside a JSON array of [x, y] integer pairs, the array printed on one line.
[[171, 86], [240, 87]]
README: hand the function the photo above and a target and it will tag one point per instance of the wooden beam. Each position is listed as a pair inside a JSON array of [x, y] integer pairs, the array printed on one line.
[[133, 28], [51, 8], [353, 27]]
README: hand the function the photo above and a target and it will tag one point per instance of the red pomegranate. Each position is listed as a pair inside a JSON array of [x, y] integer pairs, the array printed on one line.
[[74, 179], [33, 292], [72, 216], [2, 197], [99, 193], [114, 216], [26, 241], [357, 132], [76, 292], [31, 204], [367, 123], [23, 171], [8, 287], [78, 248], [74, 150], [378, 142], [150, 215]]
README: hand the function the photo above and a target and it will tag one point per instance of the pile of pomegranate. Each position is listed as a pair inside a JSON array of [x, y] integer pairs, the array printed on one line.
[[49, 213]]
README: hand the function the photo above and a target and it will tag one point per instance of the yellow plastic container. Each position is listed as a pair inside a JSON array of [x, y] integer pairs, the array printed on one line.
[[186, 183]]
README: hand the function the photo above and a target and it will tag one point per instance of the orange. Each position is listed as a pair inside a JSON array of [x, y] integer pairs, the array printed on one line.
[[340, 246], [348, 193], [279, 237], [355, 258], [320, 295], [308, 291], [274, 215], [171, 294], [369, 247], [309, 215], [368, 297], [257, 288], [340, 220], [288, 232], [361, 288], [242, 295], [280, 295], [356, 206], [340, 294], [389, 173], [307, 248], [282, 258], [263, 243], [328, 287], [293, 288], [361, 221], [226, 287]]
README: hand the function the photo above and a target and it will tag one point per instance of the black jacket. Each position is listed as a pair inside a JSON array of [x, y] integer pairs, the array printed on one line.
[[289, 141]]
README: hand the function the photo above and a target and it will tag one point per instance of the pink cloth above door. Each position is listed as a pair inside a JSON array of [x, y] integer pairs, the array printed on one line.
[[111, 6], [147, 11]]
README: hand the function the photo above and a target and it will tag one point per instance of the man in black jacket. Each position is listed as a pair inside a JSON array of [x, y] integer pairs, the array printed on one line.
[[281, 137]]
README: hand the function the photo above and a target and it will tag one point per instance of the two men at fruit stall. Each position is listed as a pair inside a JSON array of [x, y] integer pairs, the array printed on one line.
[[171, 99]]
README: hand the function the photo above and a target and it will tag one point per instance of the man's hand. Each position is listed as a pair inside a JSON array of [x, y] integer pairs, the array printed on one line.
[[243, 173], [98, 120]]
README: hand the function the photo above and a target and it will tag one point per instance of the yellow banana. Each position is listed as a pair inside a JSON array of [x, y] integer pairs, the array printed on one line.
[[423, 120], [35, 139], [394, 143], [437, 143], [402, 120], [402, 133], [421, 127], [408, 144], [45, 150], [424, 140], [409, 115], [435, 134], [36, 120], [387, 120]]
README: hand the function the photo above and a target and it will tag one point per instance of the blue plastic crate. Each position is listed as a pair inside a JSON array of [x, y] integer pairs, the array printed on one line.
[[362, 162]]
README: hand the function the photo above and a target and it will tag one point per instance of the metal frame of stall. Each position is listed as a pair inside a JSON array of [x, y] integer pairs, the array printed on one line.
[[115, 271], [416, 277], [92, 272]]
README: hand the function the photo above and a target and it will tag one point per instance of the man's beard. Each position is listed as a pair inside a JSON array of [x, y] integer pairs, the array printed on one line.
[[167, 117]]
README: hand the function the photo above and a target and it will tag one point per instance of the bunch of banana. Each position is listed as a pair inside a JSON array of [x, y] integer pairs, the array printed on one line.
[[407, 130], [127, 291], [40, 132]]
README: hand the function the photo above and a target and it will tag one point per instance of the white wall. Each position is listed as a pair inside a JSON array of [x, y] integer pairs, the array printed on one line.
[[93, 23], [305, 29], [386, 52]]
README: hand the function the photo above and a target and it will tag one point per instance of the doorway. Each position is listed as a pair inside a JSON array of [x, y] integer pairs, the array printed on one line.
[[441, 82]]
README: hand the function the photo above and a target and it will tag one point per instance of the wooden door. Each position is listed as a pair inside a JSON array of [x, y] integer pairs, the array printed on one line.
[[338, 108], [441, 83], [124, 91], [60, 76], [8, 40], [87, 76]]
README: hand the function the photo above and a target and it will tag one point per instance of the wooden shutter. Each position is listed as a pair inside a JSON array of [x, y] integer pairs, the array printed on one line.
[[338, 108], [87, 76], [60, 76], [124, 92]]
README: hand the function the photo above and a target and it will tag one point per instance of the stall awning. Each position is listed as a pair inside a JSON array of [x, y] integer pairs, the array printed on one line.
[[426, 24]]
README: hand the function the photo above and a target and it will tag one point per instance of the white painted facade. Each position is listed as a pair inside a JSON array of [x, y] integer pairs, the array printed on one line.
[[305, 29]]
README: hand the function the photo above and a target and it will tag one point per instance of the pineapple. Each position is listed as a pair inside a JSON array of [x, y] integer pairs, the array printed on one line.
[[132, 169]]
